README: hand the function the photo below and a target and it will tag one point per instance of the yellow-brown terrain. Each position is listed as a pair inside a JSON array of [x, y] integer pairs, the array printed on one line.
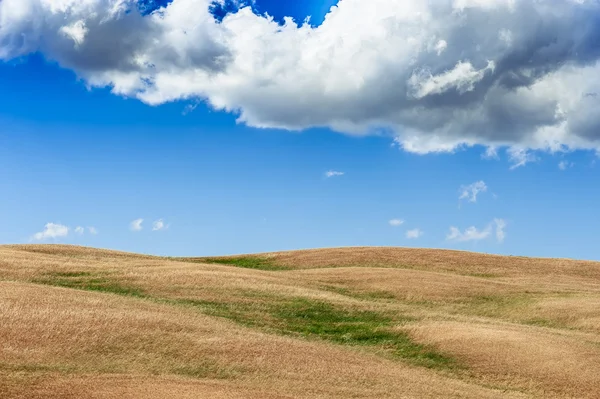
[[332, 323]]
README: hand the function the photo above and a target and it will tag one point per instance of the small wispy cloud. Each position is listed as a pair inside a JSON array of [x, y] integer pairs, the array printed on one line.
[[564, 165], [76, 32], [159, 225], [500, 226], [470, 234], [333, 173], [396, 222], [520, 157], [490, 153], [471, 191], [136, 225], [474, 234], [51, 230], [81, 230], [414, 234], [189, 108]]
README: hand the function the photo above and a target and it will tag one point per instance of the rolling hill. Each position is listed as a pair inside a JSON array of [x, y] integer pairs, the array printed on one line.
[[79, 322]]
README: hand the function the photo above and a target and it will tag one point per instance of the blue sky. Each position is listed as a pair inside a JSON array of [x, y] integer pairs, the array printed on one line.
[[75, 153]]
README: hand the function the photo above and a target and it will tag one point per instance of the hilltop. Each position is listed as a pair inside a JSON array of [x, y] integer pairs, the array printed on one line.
[[328, 323]]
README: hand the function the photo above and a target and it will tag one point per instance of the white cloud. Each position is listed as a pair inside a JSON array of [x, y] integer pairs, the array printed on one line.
[[438, 75], [474, 234], [500, 226], [333, 173], [396, 222], [52, 230], [159, 225], [564, 165], [471, 191], [485, 4], [462, 78], [81, 230], [136, 225], [491, 152], [414, 233], [520, 157], [470, 234], [76, 32], [440, 47]]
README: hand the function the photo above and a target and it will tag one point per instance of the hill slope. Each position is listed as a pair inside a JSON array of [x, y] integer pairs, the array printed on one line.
[[332, 323]]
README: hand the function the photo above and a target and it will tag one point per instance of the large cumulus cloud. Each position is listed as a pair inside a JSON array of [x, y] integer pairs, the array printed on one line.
[[435, 74]]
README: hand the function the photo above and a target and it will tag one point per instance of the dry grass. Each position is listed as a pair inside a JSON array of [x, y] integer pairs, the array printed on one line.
[[340, 323], [543, 362]]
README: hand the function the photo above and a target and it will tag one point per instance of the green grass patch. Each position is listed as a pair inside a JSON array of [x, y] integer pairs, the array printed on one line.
[[483, 275], [299, 317], [539, 322], [321, 320], [205, 369], [359, 294], [71, 274], [496, 305], [247, 262], [517, 308], [89, 282]]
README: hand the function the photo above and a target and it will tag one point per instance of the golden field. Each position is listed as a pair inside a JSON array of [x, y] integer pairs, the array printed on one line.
[[332, 323]]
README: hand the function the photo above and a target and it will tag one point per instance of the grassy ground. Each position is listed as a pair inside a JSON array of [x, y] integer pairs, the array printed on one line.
[[339, 323]]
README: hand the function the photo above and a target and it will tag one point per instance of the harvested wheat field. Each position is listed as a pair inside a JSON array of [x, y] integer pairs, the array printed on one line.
[[333, 323]]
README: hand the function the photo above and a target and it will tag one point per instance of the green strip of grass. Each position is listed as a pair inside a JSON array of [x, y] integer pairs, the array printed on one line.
[[71, 274], [322, 320], [360, 294], [87, 281], [206, 369], [247, 262], [482, 275], [495, 305], [540, 322], [301, 317]]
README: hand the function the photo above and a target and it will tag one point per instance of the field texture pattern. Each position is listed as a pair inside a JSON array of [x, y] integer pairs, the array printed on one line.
[[333, 323]]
